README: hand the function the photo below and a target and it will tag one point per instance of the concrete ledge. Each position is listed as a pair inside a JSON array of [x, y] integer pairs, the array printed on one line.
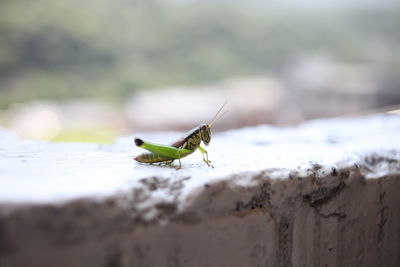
[[325, 193]]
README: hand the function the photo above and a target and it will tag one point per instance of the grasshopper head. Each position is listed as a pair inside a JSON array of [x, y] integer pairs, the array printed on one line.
[[205, 129], [205, 132]]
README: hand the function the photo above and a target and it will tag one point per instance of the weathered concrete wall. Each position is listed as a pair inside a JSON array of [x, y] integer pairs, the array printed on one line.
[[322, 194]]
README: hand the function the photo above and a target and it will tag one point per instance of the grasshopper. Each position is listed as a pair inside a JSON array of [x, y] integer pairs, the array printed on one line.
[[181, 148]]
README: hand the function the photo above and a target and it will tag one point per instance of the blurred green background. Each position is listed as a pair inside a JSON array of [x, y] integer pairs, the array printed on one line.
[[110, 51]]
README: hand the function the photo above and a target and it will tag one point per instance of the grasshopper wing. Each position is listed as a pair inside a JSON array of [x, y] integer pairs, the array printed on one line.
[[179, 143]]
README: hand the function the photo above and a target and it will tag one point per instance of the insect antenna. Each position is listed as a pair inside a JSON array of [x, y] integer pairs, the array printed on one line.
[[216, 117]]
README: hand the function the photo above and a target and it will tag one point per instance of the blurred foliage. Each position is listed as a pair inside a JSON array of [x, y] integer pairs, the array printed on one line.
[[99, 136], [108, 49]]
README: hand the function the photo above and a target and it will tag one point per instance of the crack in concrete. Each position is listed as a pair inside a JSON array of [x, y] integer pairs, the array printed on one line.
[[381, 224], [339, 215], [322, 196], [285, 233]]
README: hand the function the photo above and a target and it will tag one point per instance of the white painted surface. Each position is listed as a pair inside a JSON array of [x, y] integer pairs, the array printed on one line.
[[41, 172]]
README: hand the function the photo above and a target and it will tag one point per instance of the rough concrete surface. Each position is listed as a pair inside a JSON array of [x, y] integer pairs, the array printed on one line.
[[325, 193]]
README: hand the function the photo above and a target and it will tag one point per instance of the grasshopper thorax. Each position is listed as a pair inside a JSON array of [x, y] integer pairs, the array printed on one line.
[[205, 133]]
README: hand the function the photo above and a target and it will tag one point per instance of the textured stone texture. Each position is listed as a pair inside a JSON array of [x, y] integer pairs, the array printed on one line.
[[325, 193]]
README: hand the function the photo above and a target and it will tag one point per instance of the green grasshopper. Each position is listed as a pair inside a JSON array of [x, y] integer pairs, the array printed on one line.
[[181, 148]]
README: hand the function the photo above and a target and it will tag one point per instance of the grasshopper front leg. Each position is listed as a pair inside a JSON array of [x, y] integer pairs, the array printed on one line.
[[205, 156]]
